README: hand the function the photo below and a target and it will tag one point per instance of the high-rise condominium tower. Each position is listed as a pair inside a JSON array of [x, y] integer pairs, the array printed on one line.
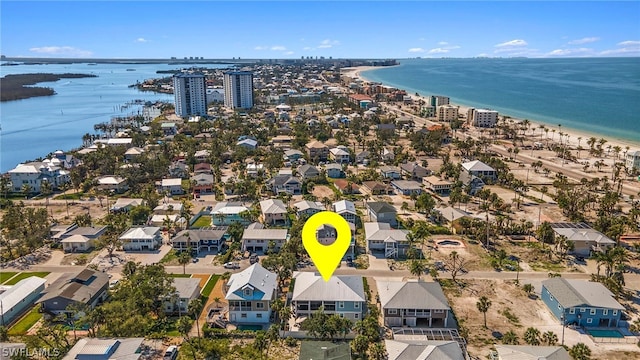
[[190, 93], [238, 89]]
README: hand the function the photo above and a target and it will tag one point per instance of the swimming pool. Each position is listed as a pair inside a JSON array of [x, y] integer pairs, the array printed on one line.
[[605, 333]]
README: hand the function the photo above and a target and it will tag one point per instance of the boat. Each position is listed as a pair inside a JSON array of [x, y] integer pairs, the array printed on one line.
[[131, 69]]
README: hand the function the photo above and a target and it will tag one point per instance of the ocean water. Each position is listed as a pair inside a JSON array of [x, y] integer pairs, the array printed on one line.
[[35, 127], [596, 95]]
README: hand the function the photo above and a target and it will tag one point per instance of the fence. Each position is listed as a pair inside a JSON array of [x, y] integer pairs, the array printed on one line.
[[615, 340]]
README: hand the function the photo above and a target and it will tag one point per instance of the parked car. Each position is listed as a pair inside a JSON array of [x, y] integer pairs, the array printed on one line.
[[253, 259], [231, 265], [171, 353], [113, 284]]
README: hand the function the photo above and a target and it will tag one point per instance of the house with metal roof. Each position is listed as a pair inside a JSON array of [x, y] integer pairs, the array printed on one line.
[[346, 209], [480, 169], [285, 183], [334, 171], [15, 299], [274, 212], [225, 213], [343, 295], [324, 350], [414, 171], [308, 172], [308, 208], [187, 289], [413, 304], [141, 238], [340, 155], [250, 293], [585, 239], [197, 240], [581, 302], [380, 237], [258, 240], [527, 352], [106, 349], [390, 172], [382, 212], [407, 187], [423, 350], [86, 287]]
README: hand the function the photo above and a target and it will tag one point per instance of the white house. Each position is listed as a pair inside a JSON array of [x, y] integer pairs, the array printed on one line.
[[34, 174], [633, 160], [113, 183], [250, 293], [339, 154], [346, 209], [172, 186], [257, 240], [141, 238], [15, 299]]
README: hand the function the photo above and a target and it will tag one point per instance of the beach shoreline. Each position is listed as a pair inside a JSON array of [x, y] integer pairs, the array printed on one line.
[[574, 134]]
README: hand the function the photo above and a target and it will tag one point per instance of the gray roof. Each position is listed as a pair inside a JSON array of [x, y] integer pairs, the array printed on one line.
[[452, 214], [256, 276], [203, 179], [311, 286], [306, 204], [383, 232], [264, 234], [388, 168], [273, 206], [18, 292], [333, 166], [324, 350], [526, 352], [411, 295], [106, 349], [477, 165], [87, 231], [80, 286], [195, 235], [137, 233], [571, 293], [186, 287], [407, 184], [381, 207], [581, 232], [308, 169], [279, 180], [423, 350]]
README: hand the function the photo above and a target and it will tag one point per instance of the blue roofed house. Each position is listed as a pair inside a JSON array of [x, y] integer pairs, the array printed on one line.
[[250, 293], [343, 295], [581, 302]]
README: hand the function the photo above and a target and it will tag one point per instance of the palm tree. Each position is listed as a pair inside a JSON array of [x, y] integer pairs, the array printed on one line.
[[377, 351], [483, 306], [532, 336], [26, 190], [195, 307], [580, 351], [510, 338], [183, 259], [416, 267], [550, 338]]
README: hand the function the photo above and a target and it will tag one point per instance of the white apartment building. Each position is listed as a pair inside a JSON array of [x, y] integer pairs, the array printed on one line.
[[438, 100], [190, 94], [34, 174], [633, 160], [447, 113], [484, 118], [238, 89]]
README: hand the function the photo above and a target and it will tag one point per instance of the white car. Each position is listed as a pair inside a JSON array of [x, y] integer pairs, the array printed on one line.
[[231, 265]]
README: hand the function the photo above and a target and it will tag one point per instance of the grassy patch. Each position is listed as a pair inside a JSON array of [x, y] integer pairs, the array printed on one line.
[[206, 290], [170, 258], [511, 317], [26, 322], [180, 275], [4, 276], [73, 196], [14, 280], [547, 266], [203, 221]]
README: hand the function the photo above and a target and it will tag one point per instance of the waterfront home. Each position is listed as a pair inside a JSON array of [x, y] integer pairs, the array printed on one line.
[[480, 169], [437, 185], [526, 352], [308, 172], [125, 204], [632, 161], [34, 174], [15, 299], [340, 155], [308, 208], [201, 240], [87, 287], [377, 188], [106, 349], [406, 187], [274, 212], [225, 213], [334, 171], [346, 209], [343, 295], [413, 171], [187, 289], [260, 240], [285, 183], [380, 237], [250, 294], [581, 302], [317, 151], [324, 350], [202, 183], [112, 183], [141, 238], [382, 212], [585, 239], [425, 350], [390, 172], [171, 186], [413, 304]]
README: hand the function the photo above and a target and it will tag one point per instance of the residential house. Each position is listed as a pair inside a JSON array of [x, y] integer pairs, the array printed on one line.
[[293, 155], [169, 128], [317, 151], [201, 240], [259, 240], [346, 209], [168, 208], [254, 170], [202, 183], [363, 157], [274, 212], [171, 186], [112, 183], [249, 144], [382, 212], [90, 232], [340, 155], [125, 204], [632, 161], [187, 289], [34, 174], [414, 171], [342, 294], [126, 142], [581, 302], [250, 294], [585, 239], [77, 243], [165, 221], [377, 188], [88, 287], [202, 156], [406, 187], [425, 350], [528, 352], [327, 235], [479, 169], [178, 169], [390, 172], [387, 155], [225, 213], [380, 237], [413, 304], [285, 183], [346, 187], [106, 349], [437, 185], [15, 299], [308, 172], [202, 168], [449, 214], [324, 350], [133, 153], [308, 208], [334, 171], [141, 238]]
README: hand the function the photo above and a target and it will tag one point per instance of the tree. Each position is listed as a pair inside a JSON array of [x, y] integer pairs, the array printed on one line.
[[416, 267], [183, 259], [528, 288], [360, 345], [455, 264], [550, 338], [532, 336], [580, 351], [510, 338], [483, 306], [26, 189], [377, 351], [4, 334]]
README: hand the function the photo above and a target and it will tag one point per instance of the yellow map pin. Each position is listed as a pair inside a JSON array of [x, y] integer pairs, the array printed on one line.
[[326, 257]]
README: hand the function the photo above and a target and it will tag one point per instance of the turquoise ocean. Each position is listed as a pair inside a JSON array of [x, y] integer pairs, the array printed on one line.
[[600, 96]]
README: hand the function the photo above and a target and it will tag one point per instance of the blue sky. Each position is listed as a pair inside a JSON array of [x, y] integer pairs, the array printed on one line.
[[291, 29]]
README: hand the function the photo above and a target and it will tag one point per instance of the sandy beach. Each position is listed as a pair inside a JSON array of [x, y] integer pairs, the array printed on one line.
[[575, 137]]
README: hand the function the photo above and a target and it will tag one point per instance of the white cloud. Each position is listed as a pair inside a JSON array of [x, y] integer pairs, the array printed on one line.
[[278, 48], [307, 48], [584, 41], [443, 43], [325, 44], [570, 52], [62, 51], [416, 50], [438, 51], [421, 39], [516, 42], [289, 53], [627, 47], [629, 43], [141, 40], [260, 48], [482, 55]]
